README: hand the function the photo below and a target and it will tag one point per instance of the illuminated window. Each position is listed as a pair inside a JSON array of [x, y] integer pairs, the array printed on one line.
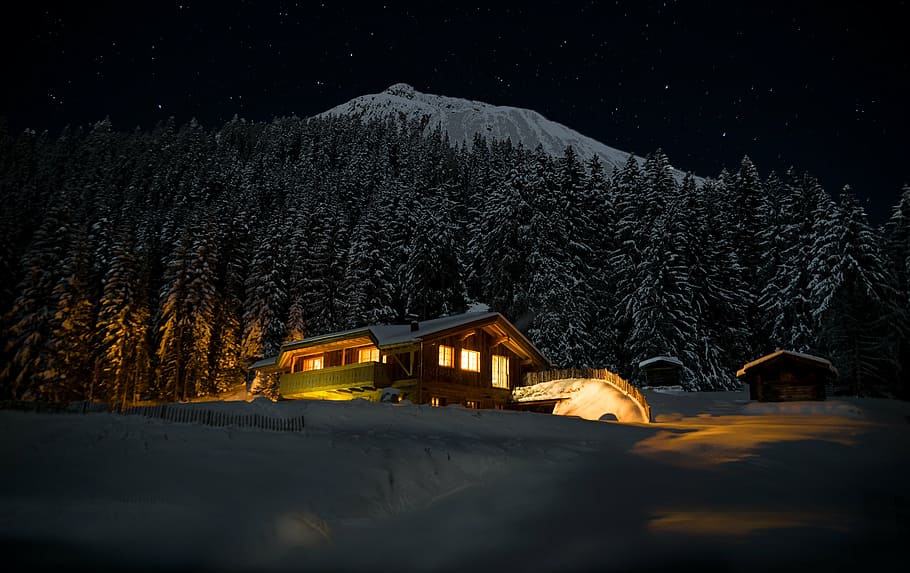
[[446, 356], [470, 360], [368, 355], [436, 401], [500, 371], [312, 363], [472, 404]]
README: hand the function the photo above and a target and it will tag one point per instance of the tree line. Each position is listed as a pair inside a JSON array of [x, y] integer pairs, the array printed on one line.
[[160, 264]]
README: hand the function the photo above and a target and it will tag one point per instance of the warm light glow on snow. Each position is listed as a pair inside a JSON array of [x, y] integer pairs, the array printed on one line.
[[707, 441], [739, 523]]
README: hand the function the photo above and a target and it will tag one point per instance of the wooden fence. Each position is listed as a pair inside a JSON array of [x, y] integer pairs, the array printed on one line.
[[176, 413], [183, 415], [622, 384]]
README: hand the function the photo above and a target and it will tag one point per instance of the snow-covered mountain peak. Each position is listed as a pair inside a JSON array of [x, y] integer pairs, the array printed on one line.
[[401, 90], [462, 118]]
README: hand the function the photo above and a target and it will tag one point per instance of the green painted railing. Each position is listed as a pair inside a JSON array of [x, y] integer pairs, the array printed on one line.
[[366, 374]]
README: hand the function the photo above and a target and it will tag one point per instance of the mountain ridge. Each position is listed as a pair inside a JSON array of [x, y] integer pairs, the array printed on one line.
[[462, 118]]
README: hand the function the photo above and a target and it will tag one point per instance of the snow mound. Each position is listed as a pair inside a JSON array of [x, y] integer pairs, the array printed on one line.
[[586, 398]]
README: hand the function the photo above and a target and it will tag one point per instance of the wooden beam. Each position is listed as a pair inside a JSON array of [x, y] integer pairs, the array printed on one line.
[[409, 369], [467, 335]]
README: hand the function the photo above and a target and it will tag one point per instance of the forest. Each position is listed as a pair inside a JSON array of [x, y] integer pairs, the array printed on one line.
[[158, 265]]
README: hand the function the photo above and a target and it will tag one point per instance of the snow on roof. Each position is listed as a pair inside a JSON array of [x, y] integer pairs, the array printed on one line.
[[774, 355], [656, 359], [391, 334], [265, 362], [385, 335]]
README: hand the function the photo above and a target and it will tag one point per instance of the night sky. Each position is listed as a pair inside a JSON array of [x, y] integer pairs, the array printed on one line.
[[822, 87]]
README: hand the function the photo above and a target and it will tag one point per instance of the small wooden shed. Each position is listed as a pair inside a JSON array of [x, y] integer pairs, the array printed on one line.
[[661, 370], [785, 376]]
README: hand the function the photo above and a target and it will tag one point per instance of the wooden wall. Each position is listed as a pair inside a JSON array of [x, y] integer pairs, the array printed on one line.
[[458, 386], [787, 382]]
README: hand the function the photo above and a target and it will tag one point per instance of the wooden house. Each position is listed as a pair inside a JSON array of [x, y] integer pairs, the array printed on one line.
[[785, 376], [473, 359], [661, 371]]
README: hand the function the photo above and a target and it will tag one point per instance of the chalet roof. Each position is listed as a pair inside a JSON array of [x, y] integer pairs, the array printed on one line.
[[265, 362], [820, 362], [669, 360], [388, 335]]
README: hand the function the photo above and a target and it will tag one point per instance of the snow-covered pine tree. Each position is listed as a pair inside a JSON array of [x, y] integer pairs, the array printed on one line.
[[560, 295], [369, 280], [266, 302], [322, 268], [28, 325], [659, 308], [897, 247], [602, 331], [850, 295], [231, 222], [433, 280], [123, 362], [502, 244], [626, 256], [804, 213], [716, 288], [71, 372], [746, 196], [187, 314]]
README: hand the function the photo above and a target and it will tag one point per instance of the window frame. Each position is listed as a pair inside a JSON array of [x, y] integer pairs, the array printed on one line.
[[497, 361], [315, 362], [371, 351], [446, 356], [468, 357]]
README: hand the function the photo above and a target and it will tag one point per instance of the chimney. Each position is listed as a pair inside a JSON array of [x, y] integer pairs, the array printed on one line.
[[415, 326]]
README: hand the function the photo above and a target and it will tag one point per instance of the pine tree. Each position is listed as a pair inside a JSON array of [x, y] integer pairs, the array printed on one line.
[[189, 301], [662, 319], [266, 300], [850, 295], [434, 283], [897, 247], [368, 284], [717, 288], [124, 362], [503, 253], [559, 288], [70, 374], [29, 323], [805, 213]]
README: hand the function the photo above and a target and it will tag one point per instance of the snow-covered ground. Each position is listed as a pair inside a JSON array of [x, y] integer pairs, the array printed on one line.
[[717, 483]]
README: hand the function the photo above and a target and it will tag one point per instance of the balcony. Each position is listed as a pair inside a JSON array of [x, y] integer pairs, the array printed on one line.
[[366, 375]]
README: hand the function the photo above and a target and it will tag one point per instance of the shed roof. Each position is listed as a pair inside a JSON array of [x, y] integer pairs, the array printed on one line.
[[669, 360], [820, 362]]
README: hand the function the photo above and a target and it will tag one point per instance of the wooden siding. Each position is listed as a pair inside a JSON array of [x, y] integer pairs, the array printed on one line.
[[786, 380], [458, 386]]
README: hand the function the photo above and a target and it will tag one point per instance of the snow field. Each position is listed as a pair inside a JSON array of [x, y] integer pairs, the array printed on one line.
[[379, 486]]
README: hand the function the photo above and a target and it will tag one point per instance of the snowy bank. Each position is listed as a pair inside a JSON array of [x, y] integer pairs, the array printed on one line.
[[368, 486]]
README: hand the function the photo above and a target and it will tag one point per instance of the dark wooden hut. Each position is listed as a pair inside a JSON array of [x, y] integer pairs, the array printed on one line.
[[785, 376], [661, 371]]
